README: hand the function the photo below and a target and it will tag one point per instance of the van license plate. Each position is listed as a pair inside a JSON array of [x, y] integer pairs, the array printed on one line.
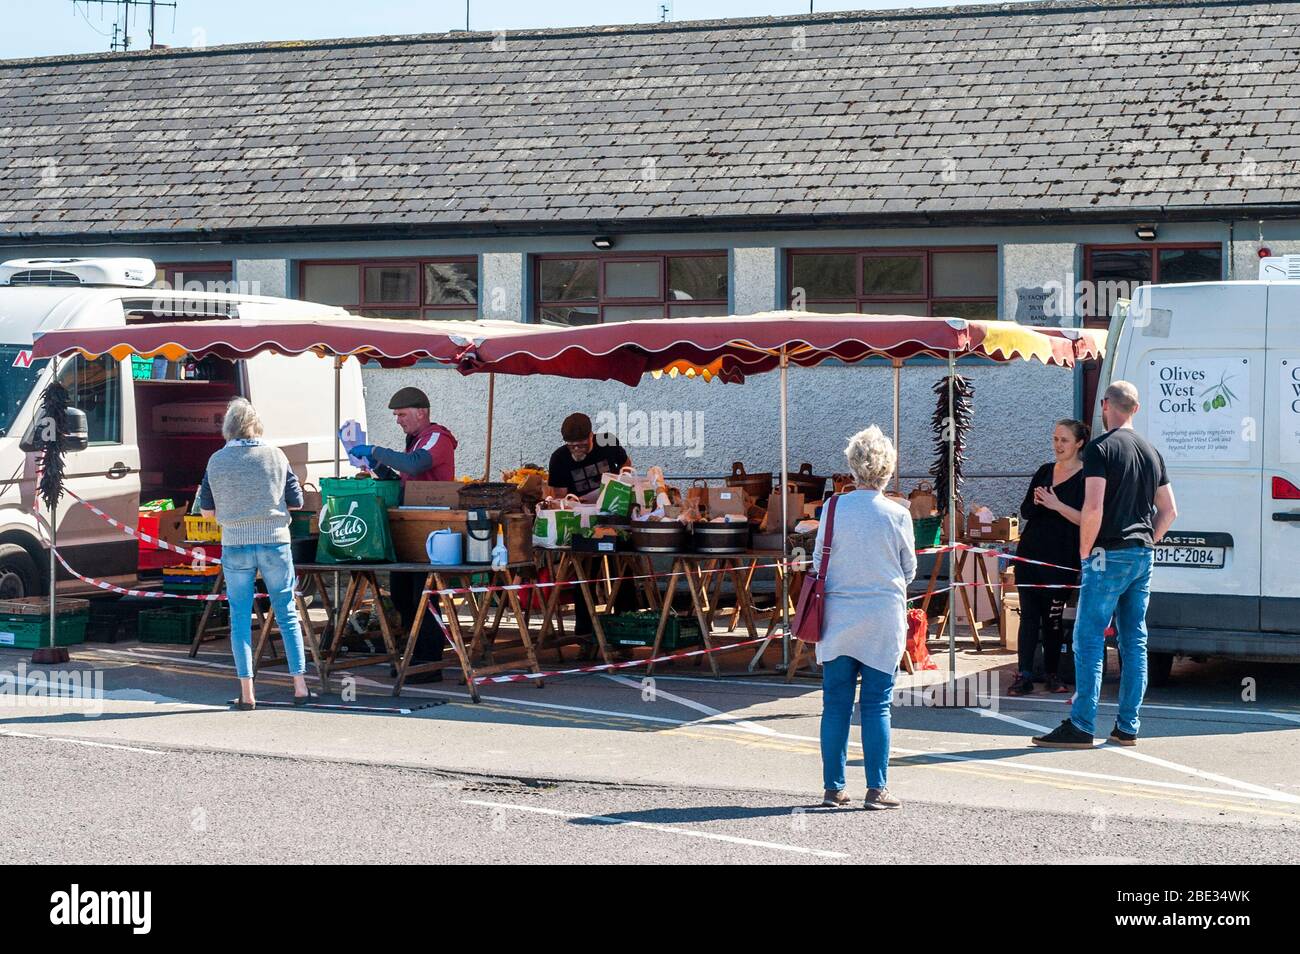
[[1209, 558]]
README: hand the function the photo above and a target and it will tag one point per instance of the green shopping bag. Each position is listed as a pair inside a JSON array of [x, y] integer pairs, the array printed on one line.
[[354, 529], [616, 495], [555, 528]]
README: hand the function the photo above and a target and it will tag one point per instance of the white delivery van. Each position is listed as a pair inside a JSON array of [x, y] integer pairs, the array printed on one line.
[[152, 424], [1217, 367]]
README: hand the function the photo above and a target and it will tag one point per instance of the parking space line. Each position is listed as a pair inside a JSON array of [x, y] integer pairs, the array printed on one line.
[[692, 704], [97, 745], [610, 820]]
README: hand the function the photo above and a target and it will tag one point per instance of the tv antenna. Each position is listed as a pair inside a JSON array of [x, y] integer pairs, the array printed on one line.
[[120, 38]]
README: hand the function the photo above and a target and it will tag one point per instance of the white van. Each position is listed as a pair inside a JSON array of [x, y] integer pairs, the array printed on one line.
[[151, 423], [1217, 367]]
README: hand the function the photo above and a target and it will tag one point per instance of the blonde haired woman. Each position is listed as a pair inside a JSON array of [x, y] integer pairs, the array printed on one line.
[[864, 624], [249, 488]]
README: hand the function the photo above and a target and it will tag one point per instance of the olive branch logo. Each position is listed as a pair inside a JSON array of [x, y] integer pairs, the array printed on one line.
[[1218, 395]]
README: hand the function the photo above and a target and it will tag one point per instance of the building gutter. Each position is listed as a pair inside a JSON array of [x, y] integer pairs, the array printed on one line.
[[657, 226]]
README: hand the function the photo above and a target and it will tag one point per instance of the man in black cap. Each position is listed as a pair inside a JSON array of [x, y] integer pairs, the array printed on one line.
[[430, 454]]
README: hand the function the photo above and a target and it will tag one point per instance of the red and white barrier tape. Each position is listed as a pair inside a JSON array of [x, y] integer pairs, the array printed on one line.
[[200, 557], [605, 667], [151, 594]]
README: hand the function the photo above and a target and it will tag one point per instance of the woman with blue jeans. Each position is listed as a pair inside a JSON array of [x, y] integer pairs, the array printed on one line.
[[249, 488], [864, 622]]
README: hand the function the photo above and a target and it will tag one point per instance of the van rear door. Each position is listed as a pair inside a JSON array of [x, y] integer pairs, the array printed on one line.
[[1279, 536], [1201, 404]]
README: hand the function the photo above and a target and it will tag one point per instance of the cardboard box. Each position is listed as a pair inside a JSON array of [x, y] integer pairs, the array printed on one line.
[[1005, 529], [189, 417], [1011, 620], [432, 493], [166, 525]]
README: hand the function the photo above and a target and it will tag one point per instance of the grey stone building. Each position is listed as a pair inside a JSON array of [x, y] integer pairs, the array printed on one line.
[[1027, 161]]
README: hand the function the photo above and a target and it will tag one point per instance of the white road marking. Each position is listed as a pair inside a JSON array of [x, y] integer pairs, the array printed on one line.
[[97, 745], [1269, 793], [692, 704], [731, 727], [1166, 707], [712, 836]]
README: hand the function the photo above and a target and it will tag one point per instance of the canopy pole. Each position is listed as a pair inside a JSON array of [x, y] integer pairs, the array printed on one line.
[[338, 469], [898, 472], [492, 387], [952, 519], [785, 517], [54, 525]]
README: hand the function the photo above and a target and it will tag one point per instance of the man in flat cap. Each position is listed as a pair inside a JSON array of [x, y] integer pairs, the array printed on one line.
[[430, 454]]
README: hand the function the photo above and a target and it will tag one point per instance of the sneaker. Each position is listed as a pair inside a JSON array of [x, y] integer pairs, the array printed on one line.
[[1021, 687], [1120, 737], [835, 798], [1064, 736], [1054, 684], [879, 799]]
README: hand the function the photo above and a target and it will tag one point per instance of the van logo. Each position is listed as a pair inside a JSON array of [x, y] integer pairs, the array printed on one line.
[[346, 529], [23, 359]]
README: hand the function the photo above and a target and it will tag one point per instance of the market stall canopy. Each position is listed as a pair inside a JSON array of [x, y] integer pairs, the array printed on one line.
[[731, 348], [386, 341]]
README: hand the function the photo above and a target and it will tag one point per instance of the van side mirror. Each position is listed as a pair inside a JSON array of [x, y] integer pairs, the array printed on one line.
[[76, 438]]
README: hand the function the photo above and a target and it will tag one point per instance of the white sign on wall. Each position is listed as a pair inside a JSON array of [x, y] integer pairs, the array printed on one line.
[[1288, 416], [1195, 408]]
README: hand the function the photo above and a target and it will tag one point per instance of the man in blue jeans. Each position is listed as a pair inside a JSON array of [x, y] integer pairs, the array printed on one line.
[[1128, 506]]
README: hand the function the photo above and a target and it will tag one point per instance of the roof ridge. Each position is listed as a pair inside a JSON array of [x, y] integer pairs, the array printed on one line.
[[1014, 8]]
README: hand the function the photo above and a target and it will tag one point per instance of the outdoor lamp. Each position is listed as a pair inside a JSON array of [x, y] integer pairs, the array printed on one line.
[[1146, 233]]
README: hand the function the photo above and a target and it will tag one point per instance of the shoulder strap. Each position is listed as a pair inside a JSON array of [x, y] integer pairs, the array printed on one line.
[[826, 537]]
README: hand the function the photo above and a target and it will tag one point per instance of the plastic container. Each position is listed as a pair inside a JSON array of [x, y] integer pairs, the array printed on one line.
[[33, 632], [444, 548], [173, 625], [202, 529], [638, 629], [926, 531]]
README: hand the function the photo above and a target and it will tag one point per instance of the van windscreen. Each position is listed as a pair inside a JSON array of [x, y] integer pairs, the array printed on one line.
[[18, 373]]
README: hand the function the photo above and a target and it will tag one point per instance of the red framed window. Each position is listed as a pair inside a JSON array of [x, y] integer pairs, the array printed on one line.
[[590, 289], [440, 288], [1115, 271], [959, 282], [196, 276]]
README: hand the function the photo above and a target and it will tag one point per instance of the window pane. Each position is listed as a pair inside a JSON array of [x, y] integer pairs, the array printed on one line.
[[568, 279], [632, 312], [974, 310], [695, 310], [219, 280], [632, 280], [698, 276], [832, 307], [893, 275], [451, 314], [1115, 274], [451, 283], [586, 315], [823, 276], [964, 273], [332, 284], [1190, 265], [389, 313], [392, 283], [919, 308], [96, 388]]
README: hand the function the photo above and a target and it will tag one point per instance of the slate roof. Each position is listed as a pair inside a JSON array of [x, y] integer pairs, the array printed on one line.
[[1020, 112]]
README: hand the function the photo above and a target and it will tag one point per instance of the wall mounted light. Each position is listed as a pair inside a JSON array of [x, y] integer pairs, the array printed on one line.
[[603, 242], [1147, 233]]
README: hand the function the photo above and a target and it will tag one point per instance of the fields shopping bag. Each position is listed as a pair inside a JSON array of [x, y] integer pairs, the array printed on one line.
[[617, 493], [354, 529]]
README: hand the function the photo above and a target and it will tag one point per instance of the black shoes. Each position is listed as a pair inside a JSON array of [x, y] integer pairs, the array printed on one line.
[[1064, 736], [1021, 687], [1120, 737], [304, 700]]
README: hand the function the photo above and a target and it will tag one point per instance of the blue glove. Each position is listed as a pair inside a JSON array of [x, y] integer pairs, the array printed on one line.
[[363, 451]]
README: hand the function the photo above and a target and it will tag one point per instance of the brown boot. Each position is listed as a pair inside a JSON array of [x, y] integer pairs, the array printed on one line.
[[879, 799], [834, 798]]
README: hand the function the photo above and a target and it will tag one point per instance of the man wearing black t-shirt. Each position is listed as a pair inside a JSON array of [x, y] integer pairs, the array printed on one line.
[[578, 466], [1128, 506]]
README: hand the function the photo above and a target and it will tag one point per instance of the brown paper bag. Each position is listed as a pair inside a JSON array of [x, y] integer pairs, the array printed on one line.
[[794, 511], [922, 501]]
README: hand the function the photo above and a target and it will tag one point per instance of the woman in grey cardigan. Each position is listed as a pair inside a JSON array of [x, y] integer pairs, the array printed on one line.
[[864, 624], [249, 488]]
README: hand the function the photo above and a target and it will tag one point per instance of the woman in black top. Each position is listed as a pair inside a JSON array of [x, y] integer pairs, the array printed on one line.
[[1052, 507]]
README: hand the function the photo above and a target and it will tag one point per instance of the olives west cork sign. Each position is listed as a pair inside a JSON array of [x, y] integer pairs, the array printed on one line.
[[1198, 409]]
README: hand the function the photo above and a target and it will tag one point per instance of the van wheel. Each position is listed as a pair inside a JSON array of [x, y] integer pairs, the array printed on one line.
[[18, 576], [1159, 668]]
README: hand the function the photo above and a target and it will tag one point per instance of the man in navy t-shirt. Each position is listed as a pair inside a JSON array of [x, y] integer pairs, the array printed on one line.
[[1127, 508]]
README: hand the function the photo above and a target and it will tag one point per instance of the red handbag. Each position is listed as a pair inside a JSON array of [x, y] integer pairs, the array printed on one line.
[[806, 625]]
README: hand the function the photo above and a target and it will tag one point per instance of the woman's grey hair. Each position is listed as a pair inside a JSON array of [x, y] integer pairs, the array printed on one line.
[[871, 457], [241, 421]]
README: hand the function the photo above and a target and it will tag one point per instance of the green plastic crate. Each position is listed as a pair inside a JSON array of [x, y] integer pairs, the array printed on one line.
[[182, 588], [638, 629], [927, 531], [175, 625], [33, 632], [386, 490]]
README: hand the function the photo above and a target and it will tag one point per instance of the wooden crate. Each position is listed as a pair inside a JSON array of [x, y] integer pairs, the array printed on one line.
[[410, 529], [40, 606]]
